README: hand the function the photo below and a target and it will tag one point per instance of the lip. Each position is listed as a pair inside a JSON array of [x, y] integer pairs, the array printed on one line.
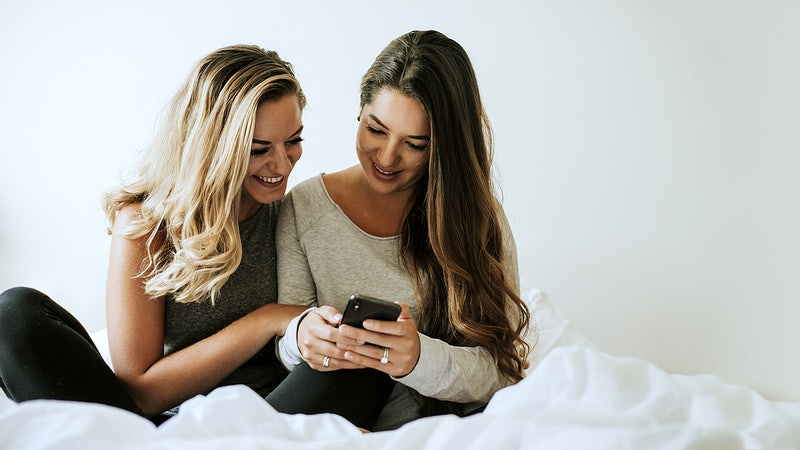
[[384, 174], [269, 181]]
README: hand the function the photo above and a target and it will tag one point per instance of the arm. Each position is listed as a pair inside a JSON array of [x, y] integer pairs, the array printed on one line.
[[136, 334], [311, 336]]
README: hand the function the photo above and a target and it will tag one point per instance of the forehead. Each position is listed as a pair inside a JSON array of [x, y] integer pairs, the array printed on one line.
[[278, 116], [399, 112]]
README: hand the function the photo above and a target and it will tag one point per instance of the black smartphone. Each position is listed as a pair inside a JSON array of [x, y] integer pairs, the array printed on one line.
[[360, 308]]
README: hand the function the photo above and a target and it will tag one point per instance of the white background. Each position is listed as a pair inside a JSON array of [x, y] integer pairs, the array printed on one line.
[[647, 152]]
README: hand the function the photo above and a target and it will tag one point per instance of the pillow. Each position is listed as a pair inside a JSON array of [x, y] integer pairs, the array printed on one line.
[[548, 329]]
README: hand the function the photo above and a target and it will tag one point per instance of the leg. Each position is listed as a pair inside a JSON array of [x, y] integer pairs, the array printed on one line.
[[357, 395], [45, 353]]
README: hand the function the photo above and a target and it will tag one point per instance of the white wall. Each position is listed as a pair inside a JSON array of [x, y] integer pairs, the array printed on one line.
[[648, 152]]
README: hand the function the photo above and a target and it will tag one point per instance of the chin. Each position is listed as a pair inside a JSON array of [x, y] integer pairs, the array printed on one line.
[[271, 199]]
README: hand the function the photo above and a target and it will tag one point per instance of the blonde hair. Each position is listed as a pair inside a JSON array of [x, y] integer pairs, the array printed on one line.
[[189, 180]]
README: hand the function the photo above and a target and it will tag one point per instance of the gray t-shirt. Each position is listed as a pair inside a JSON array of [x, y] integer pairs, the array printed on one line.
[[251, 286], [323, 258]]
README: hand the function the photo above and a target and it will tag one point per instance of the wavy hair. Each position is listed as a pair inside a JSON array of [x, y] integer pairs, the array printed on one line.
[[452, 239], [189, 179]]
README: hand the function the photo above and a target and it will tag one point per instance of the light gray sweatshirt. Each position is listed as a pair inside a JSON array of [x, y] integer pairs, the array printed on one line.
[[323, 258]]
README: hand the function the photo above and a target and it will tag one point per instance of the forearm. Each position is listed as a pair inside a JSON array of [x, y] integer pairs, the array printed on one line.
[[287, 350], [451, 373], [201, 366]]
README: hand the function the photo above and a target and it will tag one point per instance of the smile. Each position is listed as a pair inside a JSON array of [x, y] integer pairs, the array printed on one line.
[[270, 180], [383, 171]]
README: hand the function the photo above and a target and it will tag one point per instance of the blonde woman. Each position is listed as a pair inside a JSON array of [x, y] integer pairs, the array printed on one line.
[[191, 289]]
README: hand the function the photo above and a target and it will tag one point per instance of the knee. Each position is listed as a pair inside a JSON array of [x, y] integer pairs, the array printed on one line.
[[18, 302]]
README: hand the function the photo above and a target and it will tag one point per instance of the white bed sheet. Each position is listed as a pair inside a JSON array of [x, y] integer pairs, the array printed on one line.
[[576, 396]]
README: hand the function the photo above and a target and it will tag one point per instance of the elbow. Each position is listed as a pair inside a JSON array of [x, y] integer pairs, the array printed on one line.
[[149, 404], [149, 408]]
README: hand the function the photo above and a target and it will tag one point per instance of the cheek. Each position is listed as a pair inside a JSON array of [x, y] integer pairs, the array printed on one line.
[[295, 154], [252, 166], [421, 166], [363, 142]]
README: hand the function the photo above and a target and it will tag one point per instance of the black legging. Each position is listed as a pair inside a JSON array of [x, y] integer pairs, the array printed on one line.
[[45, 353]]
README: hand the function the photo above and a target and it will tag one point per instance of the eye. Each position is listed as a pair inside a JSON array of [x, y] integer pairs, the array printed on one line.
[[259, 151], [420, 148], [375, 131], [295, 141]]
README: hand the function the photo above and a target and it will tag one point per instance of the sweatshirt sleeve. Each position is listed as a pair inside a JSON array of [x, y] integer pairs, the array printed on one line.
[[456, 374], [295, 281]]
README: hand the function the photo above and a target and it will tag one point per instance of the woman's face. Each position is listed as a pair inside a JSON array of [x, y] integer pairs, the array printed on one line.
[[275, 149], [392, 142]]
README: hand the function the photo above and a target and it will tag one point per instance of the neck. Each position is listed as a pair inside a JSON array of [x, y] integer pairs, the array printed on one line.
[[395, 204], [248, 210]]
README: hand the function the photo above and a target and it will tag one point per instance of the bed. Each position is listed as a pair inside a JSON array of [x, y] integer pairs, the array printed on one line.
[[575, 396]]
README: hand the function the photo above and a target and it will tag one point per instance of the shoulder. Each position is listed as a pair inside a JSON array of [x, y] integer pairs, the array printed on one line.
[[129, 224], [303, 203], [308, 206], [126, 216], [308, 187], [308, 195]]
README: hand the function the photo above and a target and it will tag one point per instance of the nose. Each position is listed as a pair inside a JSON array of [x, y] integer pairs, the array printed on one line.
[[389, 154], [281, 162]]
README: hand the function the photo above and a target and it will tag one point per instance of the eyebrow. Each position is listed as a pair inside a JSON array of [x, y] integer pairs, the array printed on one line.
[[260, 142], [423, 138]]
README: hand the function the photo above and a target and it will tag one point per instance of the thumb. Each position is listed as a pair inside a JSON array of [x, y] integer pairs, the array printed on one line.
[[330, 314]]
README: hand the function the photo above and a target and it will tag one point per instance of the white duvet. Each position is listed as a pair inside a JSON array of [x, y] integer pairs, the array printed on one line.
[[576, 396]]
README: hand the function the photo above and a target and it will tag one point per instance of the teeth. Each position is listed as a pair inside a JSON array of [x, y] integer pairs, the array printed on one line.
[[272, 180], [383, 171]]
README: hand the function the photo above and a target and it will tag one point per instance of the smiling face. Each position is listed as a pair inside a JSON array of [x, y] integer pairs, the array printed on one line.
[[275, 149], [393, 142]]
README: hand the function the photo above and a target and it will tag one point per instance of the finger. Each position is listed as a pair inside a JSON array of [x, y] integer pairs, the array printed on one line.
[[369, 351], [343, 342], [333, 364], [373, 363], [398, 327], [330, 314], [405, 312], [315, 356], [360, 336]]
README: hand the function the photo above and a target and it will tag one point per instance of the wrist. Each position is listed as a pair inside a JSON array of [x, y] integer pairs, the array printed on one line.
[[288, 350]]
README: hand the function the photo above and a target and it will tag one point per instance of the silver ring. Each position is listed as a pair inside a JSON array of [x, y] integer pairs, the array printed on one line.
[[385, 359], [326, 362]]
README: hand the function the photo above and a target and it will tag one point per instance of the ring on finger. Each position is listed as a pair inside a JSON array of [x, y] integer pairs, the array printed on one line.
[[326, 362], [385, 359]]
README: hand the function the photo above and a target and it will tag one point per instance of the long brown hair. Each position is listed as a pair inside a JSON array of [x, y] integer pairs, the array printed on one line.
[[452, 238]]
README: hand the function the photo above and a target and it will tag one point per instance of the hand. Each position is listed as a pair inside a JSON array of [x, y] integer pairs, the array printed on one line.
[[317, 338], [398, 340]]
